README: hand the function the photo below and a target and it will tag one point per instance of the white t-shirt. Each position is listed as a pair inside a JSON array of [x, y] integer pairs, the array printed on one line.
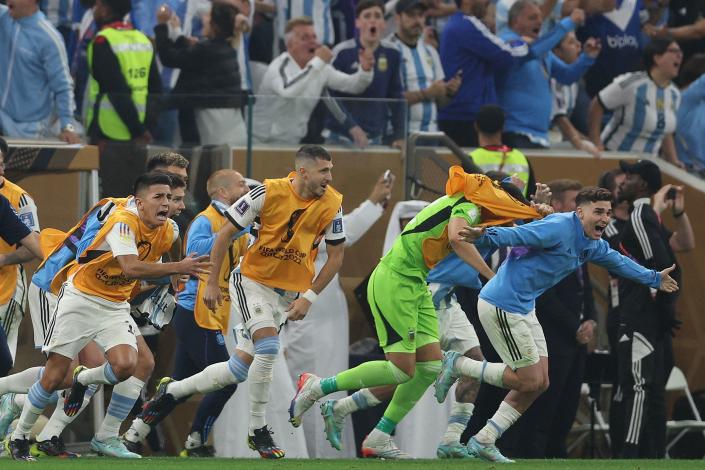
[[643, 113]]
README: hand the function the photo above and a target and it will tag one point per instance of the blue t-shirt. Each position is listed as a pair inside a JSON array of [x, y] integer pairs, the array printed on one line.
[[620, 34]]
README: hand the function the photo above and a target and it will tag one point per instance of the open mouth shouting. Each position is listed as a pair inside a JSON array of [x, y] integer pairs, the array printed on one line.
[[163, 215]]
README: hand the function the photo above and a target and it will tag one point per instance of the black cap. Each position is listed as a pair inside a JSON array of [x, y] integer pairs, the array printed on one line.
[[649, 172], [408, 5]]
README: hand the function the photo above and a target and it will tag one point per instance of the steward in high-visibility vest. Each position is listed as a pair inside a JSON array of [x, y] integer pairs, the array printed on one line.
[[123, 73]]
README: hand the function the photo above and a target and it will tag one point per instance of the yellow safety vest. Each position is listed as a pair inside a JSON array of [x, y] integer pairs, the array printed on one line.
[[134, 53], [502, 158]]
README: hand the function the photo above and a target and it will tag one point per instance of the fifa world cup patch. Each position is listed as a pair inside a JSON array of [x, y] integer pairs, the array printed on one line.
[[27, 219], [338, 226], [412, 334], [242, 207]]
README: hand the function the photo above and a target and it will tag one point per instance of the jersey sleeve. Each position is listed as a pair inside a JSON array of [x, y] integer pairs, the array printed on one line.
[[12, 230], [247, 208], [121, 240], [335, 232], [175, 228], [27, 211], [617, 93], [466, 210]]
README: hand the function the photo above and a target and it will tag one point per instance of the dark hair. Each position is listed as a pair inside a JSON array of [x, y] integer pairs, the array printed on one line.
[[146, 180], [165, 159], [516, 9], [561, 186], [495, 175], [692, 70], [490, 119], [177, 181], [312, 152], [592, 194], [223, 18], [607, 179], [656, 47], [4, 148], [119, 8], [513, 191], [459, 4], [363, 5]]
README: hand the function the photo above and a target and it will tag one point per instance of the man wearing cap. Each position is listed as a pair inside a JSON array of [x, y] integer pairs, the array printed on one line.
[[422, 78], [647, 319]]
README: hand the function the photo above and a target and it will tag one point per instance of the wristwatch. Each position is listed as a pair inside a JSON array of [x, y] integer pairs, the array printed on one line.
[[68, 127]]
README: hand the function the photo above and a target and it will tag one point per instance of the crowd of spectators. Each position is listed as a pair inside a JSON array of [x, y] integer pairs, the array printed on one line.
[[618, 75]]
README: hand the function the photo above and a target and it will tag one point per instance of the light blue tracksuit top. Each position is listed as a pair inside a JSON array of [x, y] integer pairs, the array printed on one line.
[[545, 252], [34, 71]]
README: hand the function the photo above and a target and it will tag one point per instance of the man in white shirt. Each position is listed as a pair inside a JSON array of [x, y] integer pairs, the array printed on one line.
[[293, 83]]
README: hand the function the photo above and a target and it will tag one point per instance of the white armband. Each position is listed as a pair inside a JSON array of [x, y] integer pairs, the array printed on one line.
[[310, 295]]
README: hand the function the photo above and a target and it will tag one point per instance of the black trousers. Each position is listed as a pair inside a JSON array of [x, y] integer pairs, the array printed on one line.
[[638, 415]]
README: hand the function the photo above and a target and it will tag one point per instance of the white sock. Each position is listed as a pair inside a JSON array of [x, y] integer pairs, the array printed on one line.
[[59, 420], [33, 407], [360, 400], [500, 422], [212, 378], [98, 375], [193, 440], [260, 380], [138, 431], [489, 372], [457, 421], [21, 381], [19, 399], [125, 394]]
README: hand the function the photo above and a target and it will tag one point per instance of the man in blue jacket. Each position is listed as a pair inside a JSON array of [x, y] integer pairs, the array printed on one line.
[[470, 50], [545, 252], [524, 90], [34, 75]]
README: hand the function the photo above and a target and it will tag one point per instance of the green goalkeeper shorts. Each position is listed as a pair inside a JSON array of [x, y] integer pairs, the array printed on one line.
[[402, 307]]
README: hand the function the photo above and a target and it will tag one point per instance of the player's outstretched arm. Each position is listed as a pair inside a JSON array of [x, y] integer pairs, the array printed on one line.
[[19, 256], [212, 296], [467, 251], [132, 267]]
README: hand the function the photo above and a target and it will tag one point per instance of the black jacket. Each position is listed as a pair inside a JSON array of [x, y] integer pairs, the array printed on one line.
[[210, 75]]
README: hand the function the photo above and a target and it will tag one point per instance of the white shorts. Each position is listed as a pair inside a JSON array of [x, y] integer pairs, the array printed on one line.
[[455, 330], [518, 339], [80, 319], [41, 308], [12, 312], [256, 306]]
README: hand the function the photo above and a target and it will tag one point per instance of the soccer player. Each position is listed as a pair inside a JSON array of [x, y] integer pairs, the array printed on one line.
[[199, 330], [545, 252], [13, 284], [93, 302], [406, 322], [275, 282]]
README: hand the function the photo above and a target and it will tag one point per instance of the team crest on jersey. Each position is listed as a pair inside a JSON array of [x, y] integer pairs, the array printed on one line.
[[27, 219], [242, 207], [382, 63]]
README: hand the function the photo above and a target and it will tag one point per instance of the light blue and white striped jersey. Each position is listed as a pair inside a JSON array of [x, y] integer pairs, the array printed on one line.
[[564, 97], [317, 10], [643, 113], [58, 12], [421, 66]]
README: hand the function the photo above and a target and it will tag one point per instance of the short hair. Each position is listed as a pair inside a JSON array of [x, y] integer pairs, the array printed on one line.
[[4, 148], [692, 70], [297, 21], [166, 159], [512, 189], [516, 9], [561, 186], [592, 194], [146, 180], [119, 8], [312, 152], [176, 180], [490, 119], [657, 46], [363, 5], [223, 17], [218, 179], [608, 179]]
